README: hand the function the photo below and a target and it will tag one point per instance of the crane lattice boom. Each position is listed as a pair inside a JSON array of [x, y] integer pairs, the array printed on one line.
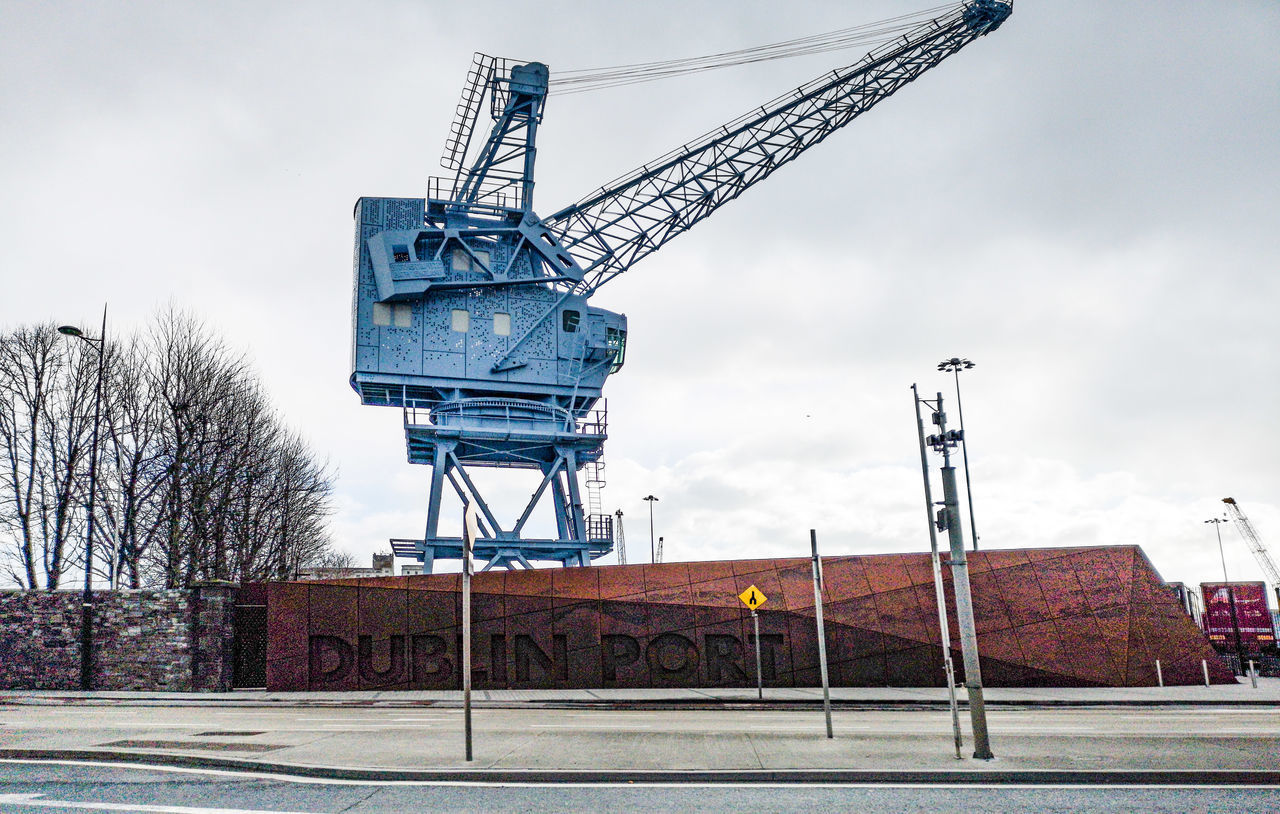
[[609, 231], [1251, 538]]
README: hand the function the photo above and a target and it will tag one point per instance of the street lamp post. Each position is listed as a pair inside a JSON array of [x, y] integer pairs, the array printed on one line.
[[86, 601], [954, 365], [1226, 583], [652, 553]]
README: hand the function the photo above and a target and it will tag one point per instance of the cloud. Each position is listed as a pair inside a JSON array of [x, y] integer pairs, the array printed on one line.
[[1081, 202]]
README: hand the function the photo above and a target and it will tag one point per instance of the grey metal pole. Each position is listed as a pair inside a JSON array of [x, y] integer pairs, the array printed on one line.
[[652, 556], [822, 637], [964, 600], [468, 546], [944, 628], [755, 621], [466, 655]]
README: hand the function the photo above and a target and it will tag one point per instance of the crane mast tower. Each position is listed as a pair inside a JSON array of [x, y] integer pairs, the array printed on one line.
[[471, 313]]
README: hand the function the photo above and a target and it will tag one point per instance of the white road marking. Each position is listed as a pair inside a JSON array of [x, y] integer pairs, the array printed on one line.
[[1046, 728], [139, 726], [38, 800], [321, 781], [797, 727], [589, 726]]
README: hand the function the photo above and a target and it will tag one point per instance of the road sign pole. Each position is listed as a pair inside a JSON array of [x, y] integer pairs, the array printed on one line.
[[753, 598], [466, 657], [470, 524], [822, 637], [755, 621]]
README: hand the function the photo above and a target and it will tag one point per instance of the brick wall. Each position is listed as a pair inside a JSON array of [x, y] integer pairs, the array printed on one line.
[[178, 640]]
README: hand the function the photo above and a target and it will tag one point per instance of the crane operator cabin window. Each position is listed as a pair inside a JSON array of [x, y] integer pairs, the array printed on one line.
[[386, 314]]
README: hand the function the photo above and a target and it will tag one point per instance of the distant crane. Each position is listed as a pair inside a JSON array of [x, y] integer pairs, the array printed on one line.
[[1260, 553], [620, 538], [658, 557], [471, 311]]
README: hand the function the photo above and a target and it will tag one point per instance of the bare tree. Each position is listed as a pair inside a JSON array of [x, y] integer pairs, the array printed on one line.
[[29, 360], [131, 472], [333, 558], [231, 463], [46, 416], [198, 476]]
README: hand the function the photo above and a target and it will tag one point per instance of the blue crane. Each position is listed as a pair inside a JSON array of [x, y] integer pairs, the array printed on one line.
[[471, 312]]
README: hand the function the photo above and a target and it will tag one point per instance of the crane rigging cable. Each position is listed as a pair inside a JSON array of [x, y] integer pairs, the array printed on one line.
[[564, 83]]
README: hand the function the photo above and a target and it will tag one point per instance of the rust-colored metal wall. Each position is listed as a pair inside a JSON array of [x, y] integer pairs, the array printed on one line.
[[1045, 617]]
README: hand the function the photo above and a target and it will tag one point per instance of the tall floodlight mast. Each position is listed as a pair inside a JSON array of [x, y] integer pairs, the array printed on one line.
[[471, 312]]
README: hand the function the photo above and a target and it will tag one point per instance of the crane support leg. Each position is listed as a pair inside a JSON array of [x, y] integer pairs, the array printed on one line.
[[575, 542]]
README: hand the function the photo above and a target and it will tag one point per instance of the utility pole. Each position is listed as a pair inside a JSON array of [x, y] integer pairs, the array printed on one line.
[[949, 521], [944, 627]]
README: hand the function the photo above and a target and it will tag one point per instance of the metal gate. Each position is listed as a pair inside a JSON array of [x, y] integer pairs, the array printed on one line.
[[249, 652]]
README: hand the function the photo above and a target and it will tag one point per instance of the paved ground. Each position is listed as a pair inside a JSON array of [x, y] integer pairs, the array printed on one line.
[[1036, 734]]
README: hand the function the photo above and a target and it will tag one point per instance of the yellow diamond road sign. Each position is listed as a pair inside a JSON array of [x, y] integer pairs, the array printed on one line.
[[752, 597]]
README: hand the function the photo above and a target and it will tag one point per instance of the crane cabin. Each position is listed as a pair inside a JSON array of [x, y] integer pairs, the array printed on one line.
[[453, 306]]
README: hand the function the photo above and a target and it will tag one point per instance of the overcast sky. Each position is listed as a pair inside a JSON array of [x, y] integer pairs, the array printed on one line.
[[1085, 203]]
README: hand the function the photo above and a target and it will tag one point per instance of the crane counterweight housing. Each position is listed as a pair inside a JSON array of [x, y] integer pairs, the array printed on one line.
[[471, 313]]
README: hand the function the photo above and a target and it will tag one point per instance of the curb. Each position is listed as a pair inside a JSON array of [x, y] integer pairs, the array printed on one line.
[[764, 776], [622, 704]]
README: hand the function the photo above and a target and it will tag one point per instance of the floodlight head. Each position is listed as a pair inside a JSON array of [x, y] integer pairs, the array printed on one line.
[[954, 365], [70, 330]]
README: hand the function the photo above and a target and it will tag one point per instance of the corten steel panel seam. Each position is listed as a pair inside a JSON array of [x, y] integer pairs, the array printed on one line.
[[1099, 581]]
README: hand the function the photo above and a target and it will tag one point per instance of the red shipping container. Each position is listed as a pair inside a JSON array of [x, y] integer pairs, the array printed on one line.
[[1238, 606]]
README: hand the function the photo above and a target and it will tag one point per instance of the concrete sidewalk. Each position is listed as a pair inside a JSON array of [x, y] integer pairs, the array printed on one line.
[[1223, 734], [1267, 693]]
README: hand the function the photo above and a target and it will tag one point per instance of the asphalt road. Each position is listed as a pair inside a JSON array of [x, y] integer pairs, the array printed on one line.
[[44, 788], [1197, 738]]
